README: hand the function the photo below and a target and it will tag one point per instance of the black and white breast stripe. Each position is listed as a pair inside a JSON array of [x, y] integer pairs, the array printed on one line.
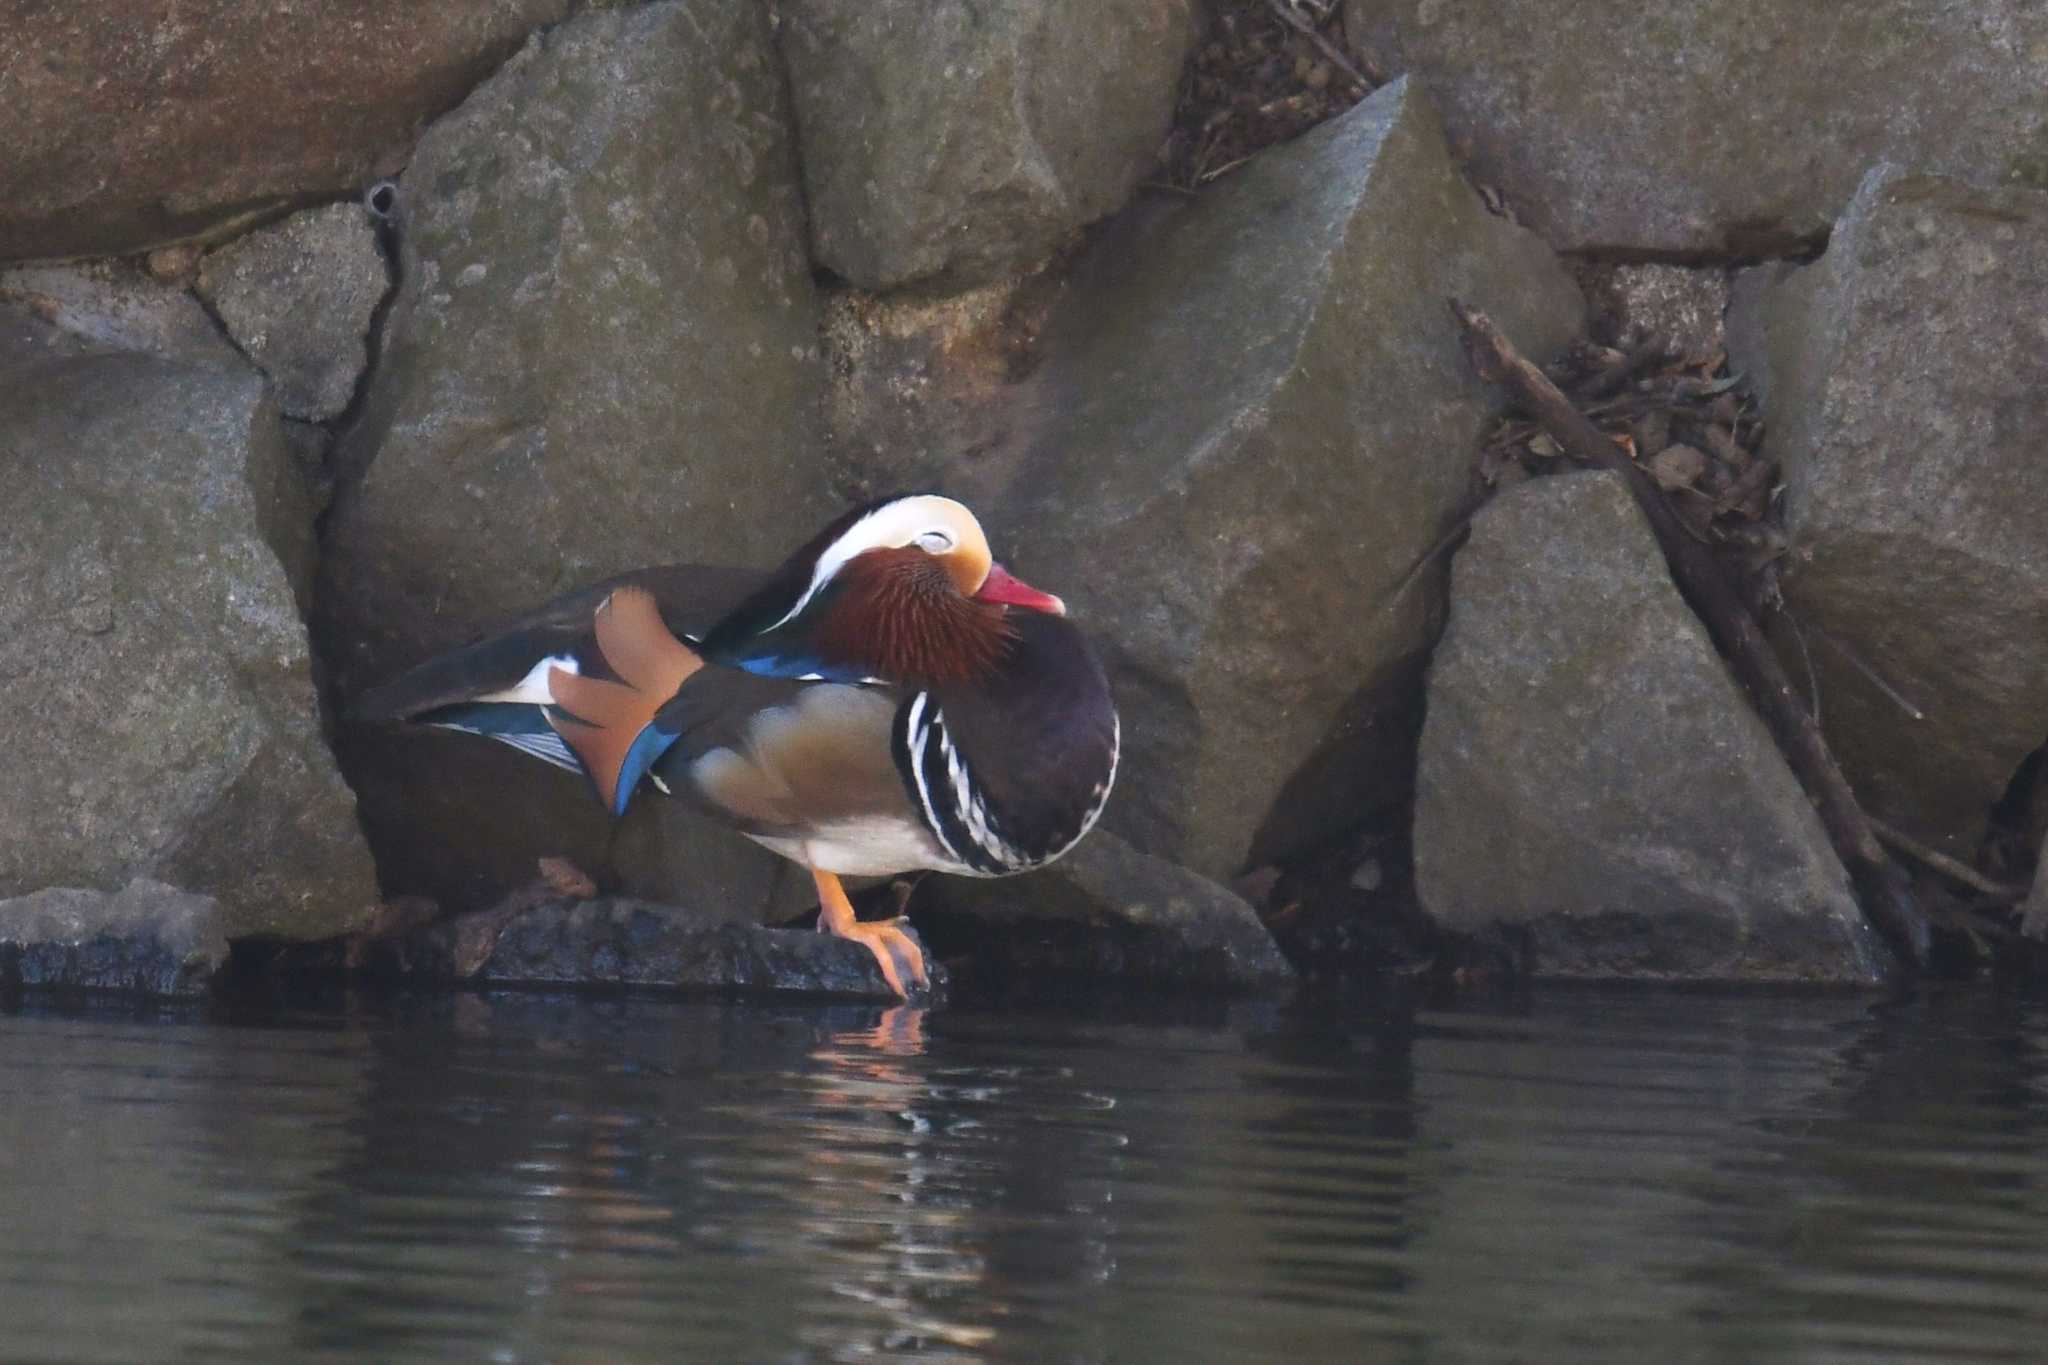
[[954, 811]]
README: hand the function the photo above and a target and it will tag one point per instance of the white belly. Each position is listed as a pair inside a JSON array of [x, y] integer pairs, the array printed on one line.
[[878, 847]]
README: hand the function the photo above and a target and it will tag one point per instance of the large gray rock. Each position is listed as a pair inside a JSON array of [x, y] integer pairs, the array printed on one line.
[[603, 354], [297, 298], [114, 305], [1736, 128], [946, 142], [132, 122], [1108, 910], [1253, 421], [147, 939], [1589, 770], [1906, 383], [917, 381], [164, 722]]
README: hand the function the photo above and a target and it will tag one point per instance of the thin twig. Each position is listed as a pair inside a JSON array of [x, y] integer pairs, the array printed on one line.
[[2005, 893], [1887, 892], [1632, 404], [1458, 528], [1891, 693], [1225, 169], [1812, 678], [1371, 78]]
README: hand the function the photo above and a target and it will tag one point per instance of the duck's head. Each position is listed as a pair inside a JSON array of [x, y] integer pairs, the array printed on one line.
[[904, 589]]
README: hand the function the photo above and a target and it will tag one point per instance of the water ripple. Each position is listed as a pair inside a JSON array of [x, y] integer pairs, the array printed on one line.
[[1607, 1176]]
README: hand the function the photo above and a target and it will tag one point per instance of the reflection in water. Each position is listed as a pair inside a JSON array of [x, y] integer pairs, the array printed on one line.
[[1918, 1225], [601, 1176], [874, 1226], [1610, 1176]]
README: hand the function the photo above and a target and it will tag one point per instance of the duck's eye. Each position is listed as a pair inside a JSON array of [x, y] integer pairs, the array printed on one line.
[[934, 543]]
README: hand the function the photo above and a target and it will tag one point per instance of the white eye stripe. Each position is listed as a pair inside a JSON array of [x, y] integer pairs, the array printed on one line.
[[934, 542], [903, 522]]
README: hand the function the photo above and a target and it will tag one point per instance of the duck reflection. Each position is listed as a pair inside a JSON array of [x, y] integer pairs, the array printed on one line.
[[877, 1211], [555, 1179], [1610, 1175], [951, 1206]]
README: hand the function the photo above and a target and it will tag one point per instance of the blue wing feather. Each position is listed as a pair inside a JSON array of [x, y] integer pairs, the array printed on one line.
[[648, 746], [524, 727], [798, 667]]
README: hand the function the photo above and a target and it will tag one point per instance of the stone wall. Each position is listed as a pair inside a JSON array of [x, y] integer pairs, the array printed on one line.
[[324, 343]]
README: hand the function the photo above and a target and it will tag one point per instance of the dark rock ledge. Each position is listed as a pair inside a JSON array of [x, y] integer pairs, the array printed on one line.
[[1105, 913], [616, 941], [147, 940]]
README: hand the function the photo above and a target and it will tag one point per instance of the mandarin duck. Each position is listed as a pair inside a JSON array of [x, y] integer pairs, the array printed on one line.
[[890, 699]]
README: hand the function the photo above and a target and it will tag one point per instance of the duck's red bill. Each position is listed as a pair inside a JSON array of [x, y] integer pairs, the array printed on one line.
[[1002, 586]]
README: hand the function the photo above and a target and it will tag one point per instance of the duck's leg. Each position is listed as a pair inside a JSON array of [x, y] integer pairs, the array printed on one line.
[[896, 951]]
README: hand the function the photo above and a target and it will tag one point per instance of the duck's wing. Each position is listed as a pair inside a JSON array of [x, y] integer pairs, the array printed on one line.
[[785, 758], [689, 597], [576, 683]]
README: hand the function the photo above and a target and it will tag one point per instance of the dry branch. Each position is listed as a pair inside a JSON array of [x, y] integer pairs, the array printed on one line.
[[1370, 77], [2004, 893], [1886, 893]]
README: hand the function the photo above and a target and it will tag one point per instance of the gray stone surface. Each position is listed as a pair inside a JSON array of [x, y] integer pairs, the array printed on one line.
[[620, 942], [916, 381], [1747, 323], [1906, 385], [147, 939], [1736, 128], [1590, 770], [297, 297], [1108, 910], [1252, 422], [133, 122], [1679, 306], [603, 354], [113, 305], [946, 142], [163, 721]]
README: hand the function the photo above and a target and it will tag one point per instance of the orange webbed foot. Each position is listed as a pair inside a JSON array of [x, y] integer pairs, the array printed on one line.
[[896, 952]]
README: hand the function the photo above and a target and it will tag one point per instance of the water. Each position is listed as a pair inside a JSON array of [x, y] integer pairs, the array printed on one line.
[[1598, 1177]]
